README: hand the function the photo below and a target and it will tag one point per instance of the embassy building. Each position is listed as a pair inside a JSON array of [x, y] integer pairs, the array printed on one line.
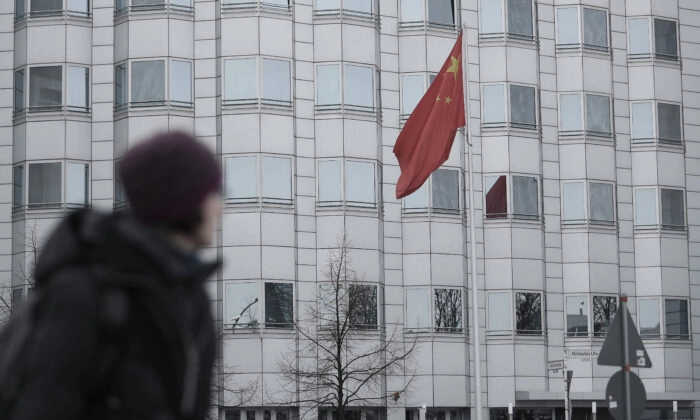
[[584, 121]]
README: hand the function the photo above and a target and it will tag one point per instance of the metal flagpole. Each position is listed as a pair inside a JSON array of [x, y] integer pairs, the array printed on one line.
[[476, 337]]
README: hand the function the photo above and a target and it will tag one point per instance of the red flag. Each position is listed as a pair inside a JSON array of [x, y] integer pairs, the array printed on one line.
[[425, 141]]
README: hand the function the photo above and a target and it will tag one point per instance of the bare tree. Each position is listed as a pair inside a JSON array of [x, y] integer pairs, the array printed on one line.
[[344, 355], [25, 274]]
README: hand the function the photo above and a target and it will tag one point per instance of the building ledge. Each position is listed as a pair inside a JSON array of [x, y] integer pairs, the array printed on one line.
[[600, 396]]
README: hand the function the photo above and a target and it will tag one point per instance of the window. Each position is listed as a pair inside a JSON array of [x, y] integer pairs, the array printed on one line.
[[242, 179], [448, 310], [417, 309], [282, 3], [577, 316], [499, 316], [358, 177], [241, 80], [528, 313], [358, 87], [241, 303], [148, 81], [276, 413], [604, 308], [362, 305], [667, 119], [78, 88], [525, 197], [441, 190], [44, 185], [573, 201], [516, 16], [76, 184], [672, 208], [181, 82], [18, 186], [664, 34], [413, 87], [120, 87], [439, 12], [279, 305], [649, 318], [47, 6], [357, 6], [570, 112], [20, 9], [19, 90], [646, 207], [676, 314], [602, 202], [597, 114], [594, 24], [45, 87], [522, 104], [121, 5], [18, 297]]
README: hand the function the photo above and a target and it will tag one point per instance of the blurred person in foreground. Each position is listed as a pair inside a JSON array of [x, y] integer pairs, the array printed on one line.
[[146, 352]]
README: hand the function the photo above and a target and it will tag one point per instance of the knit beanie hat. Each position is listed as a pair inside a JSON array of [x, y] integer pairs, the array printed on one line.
[[168, 177]]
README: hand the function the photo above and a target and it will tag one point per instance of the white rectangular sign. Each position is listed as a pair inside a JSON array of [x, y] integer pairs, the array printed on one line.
[[555, 365], [582, 354]]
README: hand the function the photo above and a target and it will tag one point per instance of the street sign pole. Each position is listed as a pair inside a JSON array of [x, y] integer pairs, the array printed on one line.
[[626, 361]]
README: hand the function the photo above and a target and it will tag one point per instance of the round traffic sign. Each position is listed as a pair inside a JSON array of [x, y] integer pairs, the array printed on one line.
[[615, 396]]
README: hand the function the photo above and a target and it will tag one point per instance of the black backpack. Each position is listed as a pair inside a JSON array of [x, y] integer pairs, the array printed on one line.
[[16, 338]]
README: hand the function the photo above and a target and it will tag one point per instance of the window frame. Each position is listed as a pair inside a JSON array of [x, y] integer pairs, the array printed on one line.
[[651, 30], [258, 199], [258, 100], [63, 190], [463, 321], [426, 85], [425, 19], [587, 202], [577, 334], [343, 184], [342, 10], [64, 10], [543, 329], [88, 88], [253, 3], [226, 302], [430, 207], [656, 138], [19, 182], [168, 100], [28, 107], [431, 327], [129, 7], [505, 33], [592, 317], [511, 312], [677, 337], [660, 314], [508, 123], [343, 106], [658, 208], [510, 215], [406, 306], [263, 298], [377, 308], [580, 35], [583, 115]]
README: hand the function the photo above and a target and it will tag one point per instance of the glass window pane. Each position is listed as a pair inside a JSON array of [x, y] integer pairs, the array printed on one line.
[[276, 81], [360, 183], [528, 313], [417, 309], [18, 186], [277, 178], [242, 178], [78, 87], [76, 183], [148, 81], [327, 82], [327, 4], [46, 5], [80, 6], [448, 310], [183, 3], [445, 184], [240, 79], [677, 318], [649, 317], [411, 10], [598, 113], [570, 112], [20, 8], [665, 39], [418, 199], [279, 305], [358, 86], [595, 27], [120, 86], [240, 303], [499, 312], [494, 104], [441, 11], [572, 196], [669, 122], [642, 121], [604, 308], [645, 206], [567, 26], [19, 90], [491, 16], [522, 105], [672, 208], [45, 184], [181, 81], [576, 316], [45, 86], [496, 196], [329, 181], [362, 306], [363, 6], [520, 17], [525, 196], [230, 414], [639, 36], [412, 90], [147, 2], [602, 202]]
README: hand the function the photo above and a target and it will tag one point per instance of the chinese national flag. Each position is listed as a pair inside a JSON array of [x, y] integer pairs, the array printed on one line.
[[425, 141]]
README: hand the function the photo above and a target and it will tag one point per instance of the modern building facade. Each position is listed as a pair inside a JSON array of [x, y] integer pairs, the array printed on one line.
[[583, 115]]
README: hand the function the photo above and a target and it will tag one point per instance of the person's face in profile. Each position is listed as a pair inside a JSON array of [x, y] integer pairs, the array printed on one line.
[[210, 210]]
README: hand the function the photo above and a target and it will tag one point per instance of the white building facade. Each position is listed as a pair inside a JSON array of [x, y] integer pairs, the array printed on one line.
[[584, 116]]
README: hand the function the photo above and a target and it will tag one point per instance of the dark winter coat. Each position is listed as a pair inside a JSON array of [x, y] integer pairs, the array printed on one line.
[[166, 350]]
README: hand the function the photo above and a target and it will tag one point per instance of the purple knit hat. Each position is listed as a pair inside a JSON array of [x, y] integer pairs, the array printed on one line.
[[168, 177]]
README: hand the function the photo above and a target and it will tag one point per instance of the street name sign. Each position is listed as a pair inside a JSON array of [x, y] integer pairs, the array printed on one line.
[[555, 365]]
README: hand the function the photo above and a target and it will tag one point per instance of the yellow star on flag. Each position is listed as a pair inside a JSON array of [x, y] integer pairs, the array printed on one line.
[[437, 99], [454, 67], [448, 100]]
